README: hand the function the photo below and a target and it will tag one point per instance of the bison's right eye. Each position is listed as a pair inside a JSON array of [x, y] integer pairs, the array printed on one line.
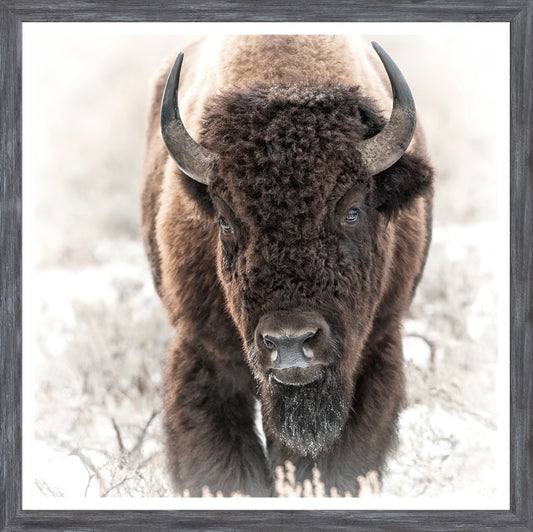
[[351, 216], [225, 225]]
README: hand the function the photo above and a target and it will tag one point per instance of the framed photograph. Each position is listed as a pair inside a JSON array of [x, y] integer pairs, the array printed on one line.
[[84, 333]]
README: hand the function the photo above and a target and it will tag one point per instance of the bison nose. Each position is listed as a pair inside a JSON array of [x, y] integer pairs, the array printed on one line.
[[292, 340], [291, 350]]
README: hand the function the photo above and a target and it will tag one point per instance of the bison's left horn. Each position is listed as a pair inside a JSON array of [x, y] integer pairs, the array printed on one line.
[[192, 159], [382, 150]]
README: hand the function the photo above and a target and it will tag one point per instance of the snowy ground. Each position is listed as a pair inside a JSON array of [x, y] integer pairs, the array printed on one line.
[[101, 332]]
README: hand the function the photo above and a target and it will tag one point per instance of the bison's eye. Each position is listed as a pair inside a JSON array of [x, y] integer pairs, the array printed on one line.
[[351, 216], [225, 225]]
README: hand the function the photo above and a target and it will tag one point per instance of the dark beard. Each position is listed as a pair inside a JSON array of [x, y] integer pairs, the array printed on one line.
[[306, 419]]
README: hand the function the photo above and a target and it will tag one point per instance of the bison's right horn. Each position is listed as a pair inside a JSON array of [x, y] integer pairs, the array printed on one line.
[[192, 159], [382, 150]]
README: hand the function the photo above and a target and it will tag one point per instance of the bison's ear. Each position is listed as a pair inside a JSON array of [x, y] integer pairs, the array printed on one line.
[[396, 187], [198, 193]]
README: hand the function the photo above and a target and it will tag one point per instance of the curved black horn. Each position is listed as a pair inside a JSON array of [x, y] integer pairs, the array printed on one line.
[[191, 158], [382, 150]]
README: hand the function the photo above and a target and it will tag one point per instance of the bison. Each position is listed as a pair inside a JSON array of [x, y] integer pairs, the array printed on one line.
[[287, 221]]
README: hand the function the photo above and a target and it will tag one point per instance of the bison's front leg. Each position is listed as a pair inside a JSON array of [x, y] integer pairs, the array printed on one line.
[[210, 423]]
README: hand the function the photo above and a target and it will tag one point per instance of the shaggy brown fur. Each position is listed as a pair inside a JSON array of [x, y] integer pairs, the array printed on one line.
[[286, 177]]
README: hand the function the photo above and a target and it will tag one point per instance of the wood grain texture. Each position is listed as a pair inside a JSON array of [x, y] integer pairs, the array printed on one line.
[[522, 265], [272, 10], [10, 266], [518, 12]]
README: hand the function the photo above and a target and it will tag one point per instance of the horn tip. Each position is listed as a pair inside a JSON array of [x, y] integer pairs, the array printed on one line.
[[380, 50], [179, 59]]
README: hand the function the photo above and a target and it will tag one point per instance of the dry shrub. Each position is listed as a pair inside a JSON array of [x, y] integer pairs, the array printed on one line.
[[285, 485]]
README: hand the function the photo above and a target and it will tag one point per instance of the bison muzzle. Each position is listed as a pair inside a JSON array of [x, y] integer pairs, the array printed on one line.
[[286, 243]]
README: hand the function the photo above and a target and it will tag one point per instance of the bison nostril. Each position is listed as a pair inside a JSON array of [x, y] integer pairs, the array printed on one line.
[[269, 344], [310, 335], [307, 345]]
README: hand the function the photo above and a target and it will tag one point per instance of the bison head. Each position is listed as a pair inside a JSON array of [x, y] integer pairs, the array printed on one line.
[[303, 181]]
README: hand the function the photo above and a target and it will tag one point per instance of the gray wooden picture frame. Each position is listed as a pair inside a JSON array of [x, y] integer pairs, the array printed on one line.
[[519, 13]]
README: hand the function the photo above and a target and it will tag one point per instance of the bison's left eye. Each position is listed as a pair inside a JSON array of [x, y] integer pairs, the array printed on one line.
[[225, 225], [351, 216]]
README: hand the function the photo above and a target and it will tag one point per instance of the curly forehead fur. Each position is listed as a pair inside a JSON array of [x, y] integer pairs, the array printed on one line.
[[299, 138], [287, 146]]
